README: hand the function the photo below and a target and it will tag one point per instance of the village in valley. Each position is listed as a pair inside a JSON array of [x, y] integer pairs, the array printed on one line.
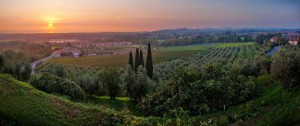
[[79, 48], [291, 38], [76, 48], [149, 63]]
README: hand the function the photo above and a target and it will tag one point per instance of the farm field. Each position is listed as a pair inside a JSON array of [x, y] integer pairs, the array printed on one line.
[[159, 55], [233, 44], [154, 63], [93, 61], [203, 46], [186, 48], [118, 60], [226, 56]]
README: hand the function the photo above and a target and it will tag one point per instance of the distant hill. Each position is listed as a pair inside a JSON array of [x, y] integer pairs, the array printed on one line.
[[234, 30], [135, 35]]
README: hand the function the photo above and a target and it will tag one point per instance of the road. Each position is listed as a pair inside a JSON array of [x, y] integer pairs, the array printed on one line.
[[33, 65], [273, 51]]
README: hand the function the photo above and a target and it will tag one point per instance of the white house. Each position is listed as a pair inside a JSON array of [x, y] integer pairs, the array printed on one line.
[[274, 39], [293, 41]]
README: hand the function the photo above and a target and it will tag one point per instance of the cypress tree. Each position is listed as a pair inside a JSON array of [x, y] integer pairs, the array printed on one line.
[[141, 58], [130, 62], [149, 62], [137, 59], [1, 62]]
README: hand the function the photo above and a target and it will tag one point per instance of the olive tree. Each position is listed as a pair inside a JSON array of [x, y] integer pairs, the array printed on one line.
[[129, 81], [286, 67], [110, 77], [140, 86]]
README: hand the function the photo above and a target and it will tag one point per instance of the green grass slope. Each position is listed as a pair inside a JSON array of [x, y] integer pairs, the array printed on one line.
[[22, 104], [275, 107], [234, 44]]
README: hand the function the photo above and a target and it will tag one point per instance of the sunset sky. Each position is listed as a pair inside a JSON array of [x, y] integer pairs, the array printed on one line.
[[29, 16]]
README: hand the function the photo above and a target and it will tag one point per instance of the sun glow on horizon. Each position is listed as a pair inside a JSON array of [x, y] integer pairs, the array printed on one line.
[[51, 22], [50, 25], [31, 16]]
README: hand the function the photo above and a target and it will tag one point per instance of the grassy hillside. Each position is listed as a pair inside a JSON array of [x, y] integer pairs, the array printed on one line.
[[117, 104], [275, 107], [23, 104]]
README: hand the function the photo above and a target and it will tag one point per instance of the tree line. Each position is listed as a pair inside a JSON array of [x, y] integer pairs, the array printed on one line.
[[205, 38], [139, 61], [136, 77], [133, 81], [16, 64]]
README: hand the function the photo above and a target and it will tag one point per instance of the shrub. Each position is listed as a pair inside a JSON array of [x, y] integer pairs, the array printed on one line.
[[53, 84], [286, 67], [198, 93], [90, 84], [128, 78], [15, 63], [19, 69], [56, 69], [140, 85], [110, 77]]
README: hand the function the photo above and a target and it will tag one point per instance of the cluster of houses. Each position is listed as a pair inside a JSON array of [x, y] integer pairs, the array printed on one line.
[[67, 52], [294, 41], [101, 44], [72, 47], [292, 38], [82, 43]]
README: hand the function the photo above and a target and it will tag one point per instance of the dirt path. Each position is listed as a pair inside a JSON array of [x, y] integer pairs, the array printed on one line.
[[33, 65]]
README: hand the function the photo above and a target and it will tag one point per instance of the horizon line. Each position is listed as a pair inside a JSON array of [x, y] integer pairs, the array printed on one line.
[[261, 28]]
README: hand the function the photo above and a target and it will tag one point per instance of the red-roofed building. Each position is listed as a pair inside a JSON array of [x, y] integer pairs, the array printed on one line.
[[68, 51], [293, 41], [274, 39]]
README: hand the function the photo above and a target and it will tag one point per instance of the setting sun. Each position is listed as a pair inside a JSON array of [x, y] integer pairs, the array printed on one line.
[[150, 62], [142, 15], [50, 25]]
